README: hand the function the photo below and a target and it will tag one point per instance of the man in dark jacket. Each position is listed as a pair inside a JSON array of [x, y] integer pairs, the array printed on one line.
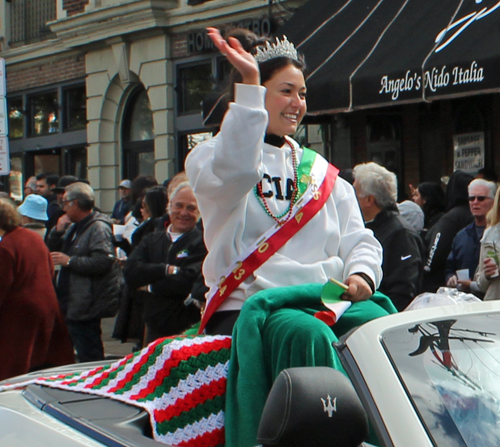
[[167, 262], [88, 286], [376, 189], [441, 235], [464, 254]]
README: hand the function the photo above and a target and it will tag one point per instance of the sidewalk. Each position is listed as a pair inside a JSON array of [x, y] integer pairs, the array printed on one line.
[[114, 348]]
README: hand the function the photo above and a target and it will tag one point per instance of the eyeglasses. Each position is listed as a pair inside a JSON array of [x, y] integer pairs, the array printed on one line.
[[478, 198], [64, 202]]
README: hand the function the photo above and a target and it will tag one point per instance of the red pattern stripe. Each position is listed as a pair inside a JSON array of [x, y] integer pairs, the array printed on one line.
[[175, 358], [208, 439], [197, 397], [137, 366]]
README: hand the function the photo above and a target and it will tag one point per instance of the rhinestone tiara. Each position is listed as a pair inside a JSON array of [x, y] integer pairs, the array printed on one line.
[[282, 48]]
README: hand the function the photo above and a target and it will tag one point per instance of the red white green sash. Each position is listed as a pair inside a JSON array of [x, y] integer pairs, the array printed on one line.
[[313, 170]]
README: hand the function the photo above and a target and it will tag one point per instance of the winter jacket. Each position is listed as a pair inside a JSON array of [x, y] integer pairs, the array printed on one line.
[[402, 257], [164, 309], [489, 286], [440, 237], [95, 276], [464, 252]]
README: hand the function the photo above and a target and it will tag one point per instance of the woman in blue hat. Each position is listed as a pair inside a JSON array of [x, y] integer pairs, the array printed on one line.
[[33, 213]]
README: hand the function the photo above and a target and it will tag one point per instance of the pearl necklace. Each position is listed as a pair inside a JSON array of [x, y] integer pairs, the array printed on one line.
[[287, 214]]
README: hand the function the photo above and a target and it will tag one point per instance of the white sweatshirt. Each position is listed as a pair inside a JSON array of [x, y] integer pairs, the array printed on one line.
[[223, 172]]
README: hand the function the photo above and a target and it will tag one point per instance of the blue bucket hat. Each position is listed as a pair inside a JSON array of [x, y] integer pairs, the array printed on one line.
[[34, 207]]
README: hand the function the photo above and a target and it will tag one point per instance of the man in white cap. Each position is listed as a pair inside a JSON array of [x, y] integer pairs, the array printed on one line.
[[33, 213], [124, 205]]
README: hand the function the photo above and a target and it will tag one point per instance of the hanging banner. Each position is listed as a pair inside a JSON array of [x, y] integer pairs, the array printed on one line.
[[468, 151], [4, 156]]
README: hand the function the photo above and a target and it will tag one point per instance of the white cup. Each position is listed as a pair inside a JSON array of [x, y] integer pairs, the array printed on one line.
[[463, 274], [118, 231]]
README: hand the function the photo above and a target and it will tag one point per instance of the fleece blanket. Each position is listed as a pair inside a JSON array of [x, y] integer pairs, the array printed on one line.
[[276, 330]]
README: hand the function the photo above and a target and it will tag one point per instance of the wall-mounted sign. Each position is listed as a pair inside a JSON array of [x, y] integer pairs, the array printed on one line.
[[4, 156], [3, 117], [2, 78], [468, 151], [199, 42]]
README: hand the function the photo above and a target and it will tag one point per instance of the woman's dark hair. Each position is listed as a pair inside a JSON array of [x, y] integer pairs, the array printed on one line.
[[156, 200], [9, 216], [434, 198], [140, 184], [250, 42]]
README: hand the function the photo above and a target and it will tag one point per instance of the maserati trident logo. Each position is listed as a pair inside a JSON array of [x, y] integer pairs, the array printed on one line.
[[329, 406]]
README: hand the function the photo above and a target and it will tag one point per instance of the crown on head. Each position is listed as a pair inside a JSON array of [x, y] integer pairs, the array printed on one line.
[[282, 48]]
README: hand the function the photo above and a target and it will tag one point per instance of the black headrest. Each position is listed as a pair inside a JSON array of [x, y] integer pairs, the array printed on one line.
[[312, 406]]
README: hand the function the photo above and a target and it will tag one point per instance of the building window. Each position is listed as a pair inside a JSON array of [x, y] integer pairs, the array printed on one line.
[[28, 19], [44, 114], [16, 117], [76, 162], [75, 108], [47, 161], [384, 141], [195, 82], [138, 136], [16, 183], [141, 125]]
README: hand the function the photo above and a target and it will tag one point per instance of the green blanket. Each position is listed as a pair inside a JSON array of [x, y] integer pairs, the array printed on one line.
[[277, 330]]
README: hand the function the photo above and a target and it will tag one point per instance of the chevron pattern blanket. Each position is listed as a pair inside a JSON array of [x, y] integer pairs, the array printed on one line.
[[180, 381]]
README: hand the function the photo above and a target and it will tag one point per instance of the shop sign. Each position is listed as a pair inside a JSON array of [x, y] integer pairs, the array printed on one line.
[[199, 42], [4, 156], [468, 152]]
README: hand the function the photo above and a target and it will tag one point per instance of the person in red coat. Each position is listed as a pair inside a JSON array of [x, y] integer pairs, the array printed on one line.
[[33, 334]]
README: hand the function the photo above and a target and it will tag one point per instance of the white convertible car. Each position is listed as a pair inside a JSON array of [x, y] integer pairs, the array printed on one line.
[[428, 377]]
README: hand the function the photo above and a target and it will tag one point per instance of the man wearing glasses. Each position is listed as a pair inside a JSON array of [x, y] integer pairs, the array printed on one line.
[[88, 285], [464, 254]]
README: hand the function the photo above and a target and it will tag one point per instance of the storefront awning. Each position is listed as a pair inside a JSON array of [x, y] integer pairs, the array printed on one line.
[[373, 53]]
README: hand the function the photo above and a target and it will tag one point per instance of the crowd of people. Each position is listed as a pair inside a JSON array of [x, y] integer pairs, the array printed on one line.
[[64, 269], [226, 236]]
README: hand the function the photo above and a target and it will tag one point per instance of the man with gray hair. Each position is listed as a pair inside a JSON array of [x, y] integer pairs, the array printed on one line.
[[88, 286], [464, 254], [168, 262], [376, 190]]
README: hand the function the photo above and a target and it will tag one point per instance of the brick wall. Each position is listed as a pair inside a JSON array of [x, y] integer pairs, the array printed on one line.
[[73, 7], [52, 72]]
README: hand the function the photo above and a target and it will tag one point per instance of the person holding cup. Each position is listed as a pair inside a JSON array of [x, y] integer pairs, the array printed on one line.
[[487, 276], [463, 258]]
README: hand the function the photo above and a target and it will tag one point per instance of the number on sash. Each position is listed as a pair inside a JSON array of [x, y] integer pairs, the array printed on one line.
[[299, 216], [263, 247], [222, 288]]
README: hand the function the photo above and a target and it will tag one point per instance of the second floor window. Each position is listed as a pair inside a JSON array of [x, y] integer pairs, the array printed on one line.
[[28, 19]]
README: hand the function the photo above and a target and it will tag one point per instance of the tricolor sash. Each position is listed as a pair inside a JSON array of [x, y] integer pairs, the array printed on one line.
[[312, 199]]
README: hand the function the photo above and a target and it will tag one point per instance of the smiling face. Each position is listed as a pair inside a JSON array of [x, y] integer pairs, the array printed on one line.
[[183, 211], [285, 101]]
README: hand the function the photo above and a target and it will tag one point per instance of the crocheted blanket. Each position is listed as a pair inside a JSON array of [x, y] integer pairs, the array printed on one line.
[[180, 381]]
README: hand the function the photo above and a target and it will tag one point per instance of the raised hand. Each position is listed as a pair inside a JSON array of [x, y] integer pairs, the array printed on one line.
[[240, 59]]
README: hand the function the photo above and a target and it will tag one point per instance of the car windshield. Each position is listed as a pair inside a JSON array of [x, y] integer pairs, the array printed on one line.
[[451, 371]]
